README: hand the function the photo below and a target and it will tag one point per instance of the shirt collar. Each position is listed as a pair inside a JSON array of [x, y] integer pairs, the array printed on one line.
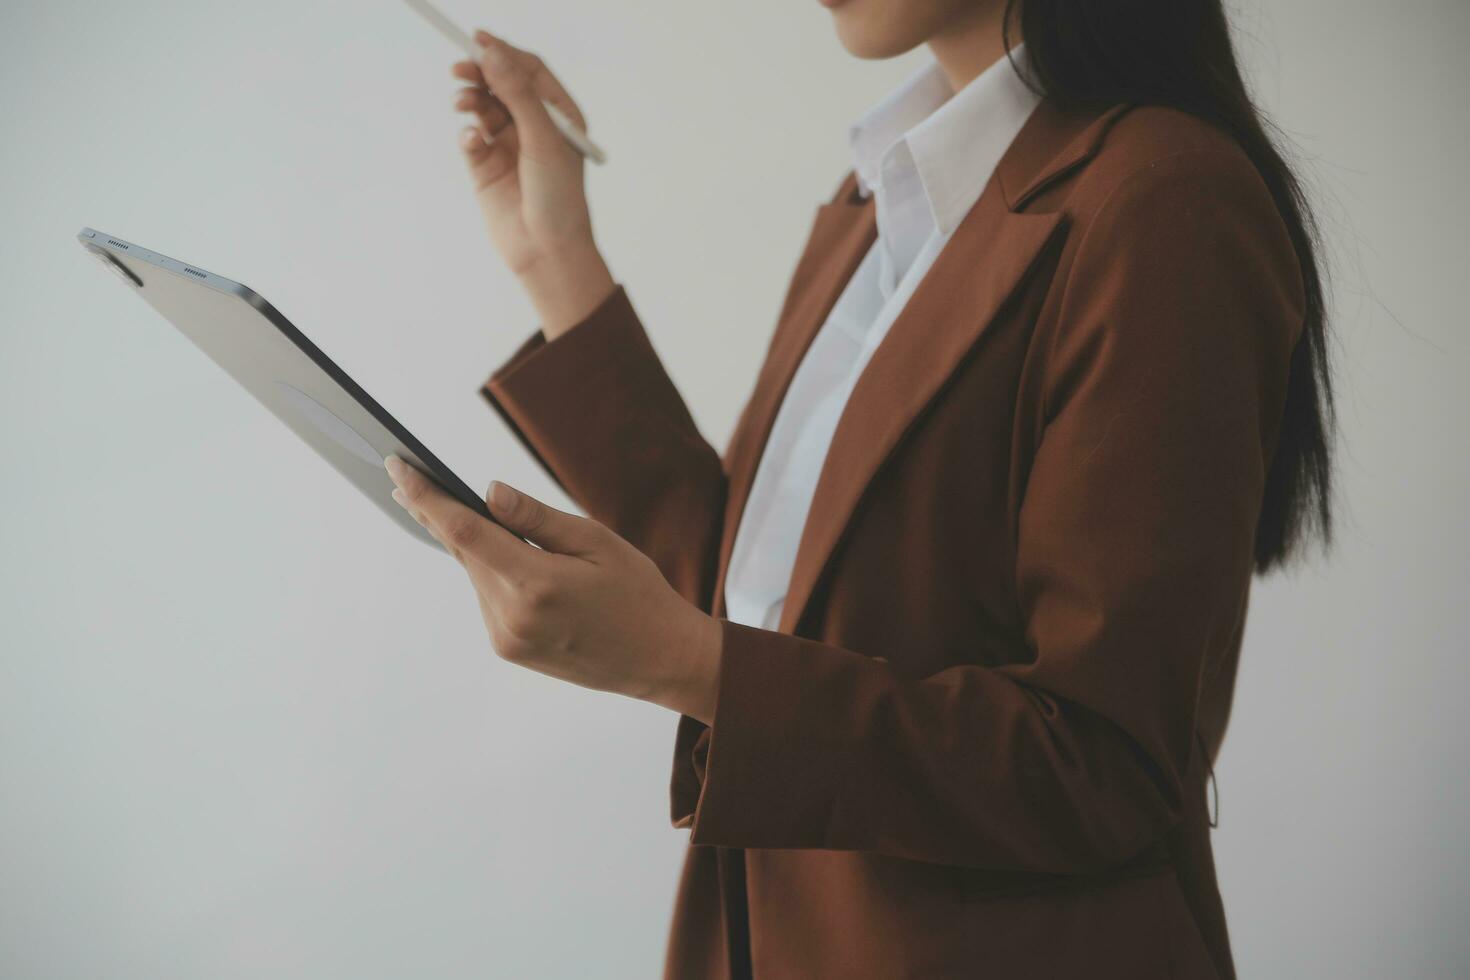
[[954, 141]]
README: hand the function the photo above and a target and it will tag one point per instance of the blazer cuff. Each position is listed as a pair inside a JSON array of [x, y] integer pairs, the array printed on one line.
[[547, 390], [613, 313], [765, 773]]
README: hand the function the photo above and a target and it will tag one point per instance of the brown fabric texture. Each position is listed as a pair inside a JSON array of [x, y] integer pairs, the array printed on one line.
[[977, 745]]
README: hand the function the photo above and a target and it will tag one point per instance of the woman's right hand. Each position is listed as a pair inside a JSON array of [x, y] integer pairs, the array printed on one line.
[[528, 181]]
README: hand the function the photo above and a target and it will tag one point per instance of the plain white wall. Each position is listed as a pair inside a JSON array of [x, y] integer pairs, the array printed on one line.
[[247, 728]]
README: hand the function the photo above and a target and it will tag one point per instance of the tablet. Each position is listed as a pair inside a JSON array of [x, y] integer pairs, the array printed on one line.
[[285, 371]]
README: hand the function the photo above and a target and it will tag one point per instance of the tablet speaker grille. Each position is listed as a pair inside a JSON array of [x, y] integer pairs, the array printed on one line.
[[114, 241], [196, 272]]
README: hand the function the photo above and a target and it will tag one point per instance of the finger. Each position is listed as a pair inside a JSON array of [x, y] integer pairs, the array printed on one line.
[[489, 110], [476, 146], [551, 529], [414, 508], [546, 85], [418, 516], [489, 159], [511, 76], [468, 71], [467, 535]]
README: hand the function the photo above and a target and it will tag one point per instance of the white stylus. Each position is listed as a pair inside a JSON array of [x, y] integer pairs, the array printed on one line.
[[565, 126]]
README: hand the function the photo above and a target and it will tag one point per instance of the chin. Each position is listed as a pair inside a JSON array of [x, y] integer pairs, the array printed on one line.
[[888, 28]]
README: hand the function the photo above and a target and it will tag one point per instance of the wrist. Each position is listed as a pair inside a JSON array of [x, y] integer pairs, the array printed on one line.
[[693, 685], [566, 286]]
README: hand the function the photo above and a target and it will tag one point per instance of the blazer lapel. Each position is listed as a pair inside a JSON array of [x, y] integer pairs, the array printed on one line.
[[981, 266], [842, 232], [978, 270]]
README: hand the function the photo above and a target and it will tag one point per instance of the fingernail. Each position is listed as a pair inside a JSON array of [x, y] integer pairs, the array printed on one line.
[[470, 138], [501, 495], [399, 498], [394, 466]]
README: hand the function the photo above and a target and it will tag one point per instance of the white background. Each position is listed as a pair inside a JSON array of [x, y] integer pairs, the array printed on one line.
[[248, 728]]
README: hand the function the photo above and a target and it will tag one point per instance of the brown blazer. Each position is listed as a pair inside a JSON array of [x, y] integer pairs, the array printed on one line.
[[978, 746]]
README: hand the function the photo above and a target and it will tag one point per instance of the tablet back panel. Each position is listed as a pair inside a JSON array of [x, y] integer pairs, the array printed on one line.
[[285, 371]]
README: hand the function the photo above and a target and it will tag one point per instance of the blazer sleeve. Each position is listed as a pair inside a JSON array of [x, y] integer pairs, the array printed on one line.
[[1165, 381], [596, 408]]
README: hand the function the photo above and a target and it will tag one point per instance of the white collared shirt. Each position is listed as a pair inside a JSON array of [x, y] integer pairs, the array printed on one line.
[[925, 155]]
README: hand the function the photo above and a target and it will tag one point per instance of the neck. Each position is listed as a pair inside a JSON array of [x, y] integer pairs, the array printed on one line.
[[971, 43]]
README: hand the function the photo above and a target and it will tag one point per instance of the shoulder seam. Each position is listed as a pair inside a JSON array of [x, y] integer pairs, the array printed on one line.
[[1143, 169]]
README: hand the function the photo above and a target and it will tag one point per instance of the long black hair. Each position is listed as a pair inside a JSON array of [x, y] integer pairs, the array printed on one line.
[[1178, 53]]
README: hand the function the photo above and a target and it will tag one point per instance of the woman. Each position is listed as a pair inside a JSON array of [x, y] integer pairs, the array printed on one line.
[[953, 625]]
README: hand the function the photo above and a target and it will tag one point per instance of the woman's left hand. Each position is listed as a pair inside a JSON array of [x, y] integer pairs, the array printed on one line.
[[584, 606]]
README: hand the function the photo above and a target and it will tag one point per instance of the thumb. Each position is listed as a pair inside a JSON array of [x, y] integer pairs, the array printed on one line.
[[548, 528]]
